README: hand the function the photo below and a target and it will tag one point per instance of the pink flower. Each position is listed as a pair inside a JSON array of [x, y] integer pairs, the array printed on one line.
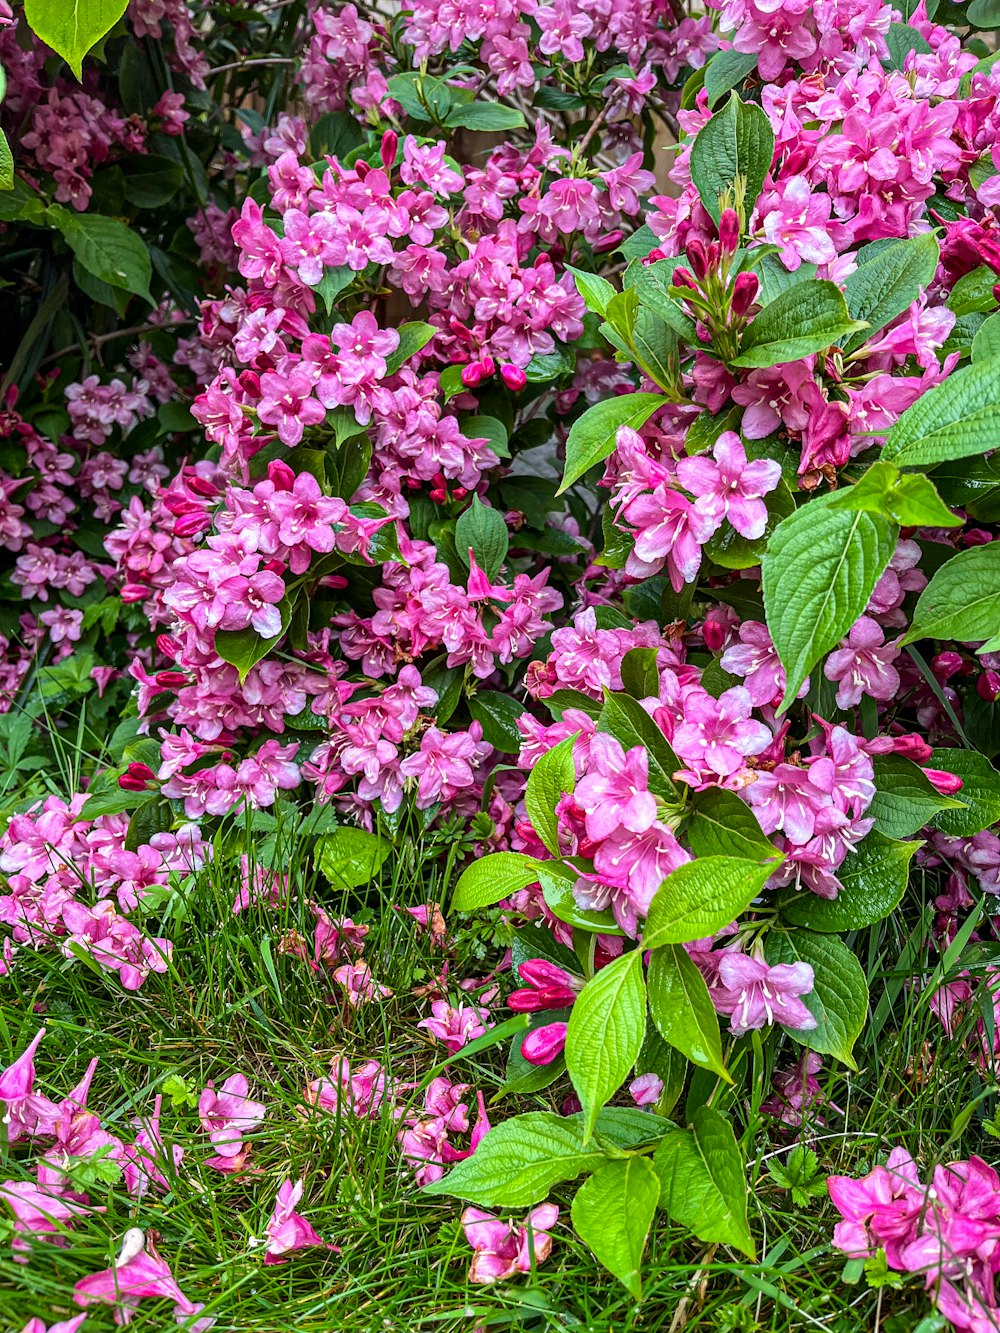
[[864, 666], [752, 993], [878, 1210], [717, 735], [64, 1326], [25, 1112], [543, 1045], [228, 1114], [137, 1272], [37, 1212], [360, 987], [501, 1250], [455, 1026], [731, 487], [799, 224], [614, 793], [756, 660], [646, 1090], [288, 1230]]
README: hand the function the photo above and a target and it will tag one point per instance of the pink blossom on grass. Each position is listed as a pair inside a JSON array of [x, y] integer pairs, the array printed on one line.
[[287, 1230], [502, 1249]]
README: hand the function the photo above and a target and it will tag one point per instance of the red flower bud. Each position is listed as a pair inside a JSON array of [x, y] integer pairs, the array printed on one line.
[[988, 686], [167, 646], [745, 290], [488, 365], [977, 537], [714, 635], [698, 257], [249, 382], [135, 592], [171, 680], [390, 142], [200, 485], [191, 524], [945, 665], [912, 747], [281, 474], [362, 168], [654, 256], [683, 277]]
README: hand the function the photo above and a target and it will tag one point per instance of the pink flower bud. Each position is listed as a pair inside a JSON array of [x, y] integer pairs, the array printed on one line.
[[977, 537], [945, 665], [654, 256], [946, 783], [281, 474], [514, 378], [488, 366], [171, 680], [714, 635], [697, 257], [167, 646], [729, 231], [191, 524], [912, 747], [390, 142], [362, 168], [745, 290], [683, 277], [543, 1045], [646, 1090], [608, 241], [201, 486], [988, 686], [134, 592], [249, 382], [472, 374], [540, 972]]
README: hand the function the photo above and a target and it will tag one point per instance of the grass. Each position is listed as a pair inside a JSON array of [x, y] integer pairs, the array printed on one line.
[[232, 1001]]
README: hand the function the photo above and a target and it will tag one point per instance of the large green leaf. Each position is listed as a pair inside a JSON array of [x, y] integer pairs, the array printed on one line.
[[612, 1214], [873, 880], [350, 857], [805, 319], [839, 998], [818, 575], [6, 164], [519, 1161], [962, 600], [702, 896], [106, 248], [905, 800], [703, 1181], [552, 776], [592, 436], [957, 418], [605, 1033], [491, 878], [731, 157], [682, 1008], [482, 530], [72, 27], [980, 793], [720, 824], [883, 287]]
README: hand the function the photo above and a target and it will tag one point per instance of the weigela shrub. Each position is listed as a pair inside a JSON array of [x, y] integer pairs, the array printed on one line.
[[643, 540]]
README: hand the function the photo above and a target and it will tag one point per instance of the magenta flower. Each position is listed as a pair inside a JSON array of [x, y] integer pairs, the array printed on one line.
[[38, 1213], [614, 793], [543, 1045], [228, 1114], [25, 1112], [864, 665], [287, 403], [501, 1249], [755, 659], [64, 1326], [456, 1025], [646, 1090], [753, 994], [288, 1230], [670, 530], [717, 735], [799, 224], [878, 1210], [145, 1160], [730, 487], [138, 1272]]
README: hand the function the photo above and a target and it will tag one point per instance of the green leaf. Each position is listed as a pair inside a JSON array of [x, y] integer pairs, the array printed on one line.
[[720, 824], [640, 673], [980, 792], [485, 116], [483, 531], [818, 575], [335, 134], [873, 880], [605, 1033], [412, 338], [984, 13], [808, 317], [775, 279], [6, 164], [497, 714], [519, 1161], [703, 1181], [558, 882], [592, 436], [551, 777], [953, 420], [839, 998], [107, 249], [624, 718], [962, 600], [905, 800], [973, 292], [244, 648], [613, 1213], [883, 288], [986, 342], [72, 27], [901, 39], [731, 156], [910, 500], [702, 896], [331, 284], [492, 878], [724, 71], [350, 857], [595, 290], [151, 181], [489, 429], [652, 282], [682, 1008]]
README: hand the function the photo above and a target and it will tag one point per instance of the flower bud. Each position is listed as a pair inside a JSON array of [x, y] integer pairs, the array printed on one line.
[[946, 664], [646, 1090], [167, 646], [514, 378], [745, 290], [683, 277], [191, 524], [988, 686], [654, 256], [714, 635], [543, 1045], [912, 747], [698, 257], [488, 365], [390, 142], [946, 783], [729, 231], [135, 592], [472, 374], [281, 474], [200, 486], [976, 537], [249, 382], [361, 168], [608, 242], [171, 680], [539, 972]]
